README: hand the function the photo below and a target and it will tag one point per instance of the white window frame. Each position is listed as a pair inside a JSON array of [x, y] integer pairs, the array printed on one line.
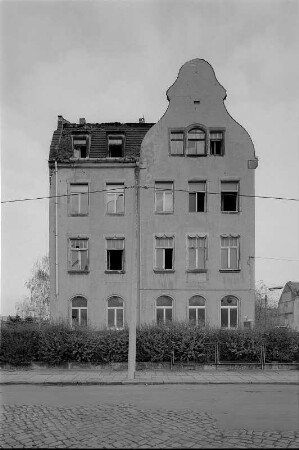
[[165, 192], [229, 249], [79, 309], [230, 191], [114, 191], [198, 238], [173, 137], [164, 308], [171, 239], [200, 131], [79, 251], [216, 135], [194, 188], [117, 238], [115, 309], [79, 194], [77, 152], [229, 308], [197, 308]]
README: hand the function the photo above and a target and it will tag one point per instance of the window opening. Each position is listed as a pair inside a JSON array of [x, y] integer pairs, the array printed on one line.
[[164, 197], [80, 146], [197, 196], [164, 309], [197, 252], [216, 143], [177, 143], [230, 253], [229, 196], [164, 253], [79, 254], [196, 142], [197, 310], [115, 198], [115, 312], [79, 311], [229, 312], [79, 199], [115, 146], [115, 254]]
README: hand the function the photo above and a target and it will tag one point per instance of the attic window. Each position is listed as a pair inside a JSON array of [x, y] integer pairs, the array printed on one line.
[[196, 142], [80, 146], [216, 143], [115, 146]]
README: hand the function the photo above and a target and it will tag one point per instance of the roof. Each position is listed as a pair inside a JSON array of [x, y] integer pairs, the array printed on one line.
[[293, 287], [61, 145]]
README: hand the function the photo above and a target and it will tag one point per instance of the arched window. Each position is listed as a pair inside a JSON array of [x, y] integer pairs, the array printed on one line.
[[79, 311], [196, 142], [197, 310], [229, 312], [115, 312], [164, 308]]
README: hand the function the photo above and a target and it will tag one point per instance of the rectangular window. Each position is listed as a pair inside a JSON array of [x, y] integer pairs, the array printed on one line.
[[164, 197], [78, 199], [177, 143], [80, 146], [164, 253], [216, 143], [229, 196], [115, 146], [230, 253], [197, 252], [78, 261], [196, 142], [197, 196], [115, 254], [115, 194]]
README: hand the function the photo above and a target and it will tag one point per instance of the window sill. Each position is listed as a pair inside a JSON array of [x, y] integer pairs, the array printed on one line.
[[78, 215], [115, 271], [164, 270], [196, 270], [196, 156], [115, 214], [229, 270], [197, 212], [163, 213], [78, 271], [230, 212]]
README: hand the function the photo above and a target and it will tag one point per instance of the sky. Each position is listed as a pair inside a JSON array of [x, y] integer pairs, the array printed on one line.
[[114, 61]]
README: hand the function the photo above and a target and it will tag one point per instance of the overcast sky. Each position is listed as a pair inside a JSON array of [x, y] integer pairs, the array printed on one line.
[[113, 61]]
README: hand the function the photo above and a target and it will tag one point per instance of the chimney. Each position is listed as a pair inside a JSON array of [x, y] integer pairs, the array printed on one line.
[[82, 121], [141, 120]]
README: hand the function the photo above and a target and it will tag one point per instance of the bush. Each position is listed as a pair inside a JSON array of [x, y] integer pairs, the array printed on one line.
[[55, 343]]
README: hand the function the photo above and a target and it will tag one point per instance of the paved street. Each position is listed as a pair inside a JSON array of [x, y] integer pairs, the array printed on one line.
[[161, 416]]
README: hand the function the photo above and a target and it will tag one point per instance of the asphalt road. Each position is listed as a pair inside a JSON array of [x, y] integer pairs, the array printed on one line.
[[184, 416]]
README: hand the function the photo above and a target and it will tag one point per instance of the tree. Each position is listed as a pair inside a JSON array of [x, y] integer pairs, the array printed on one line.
[[266, 314], [37, 303]]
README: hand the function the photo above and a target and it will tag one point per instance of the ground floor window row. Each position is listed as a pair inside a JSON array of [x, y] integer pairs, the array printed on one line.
[[164, 253], [164, 311]]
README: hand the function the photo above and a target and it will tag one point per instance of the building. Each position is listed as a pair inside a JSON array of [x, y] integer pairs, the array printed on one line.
[[160, 216], [288, 305]]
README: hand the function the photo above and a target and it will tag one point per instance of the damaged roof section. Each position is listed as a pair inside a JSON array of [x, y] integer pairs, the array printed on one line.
[[97, 137]]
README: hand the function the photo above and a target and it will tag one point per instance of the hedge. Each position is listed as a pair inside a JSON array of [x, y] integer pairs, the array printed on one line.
[[24, 343]]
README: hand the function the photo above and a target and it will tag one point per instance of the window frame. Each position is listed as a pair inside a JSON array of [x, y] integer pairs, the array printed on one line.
[[79, 309], [198, 237], [108, 193], [79, 250], [229, 308], [214, 131], [170, 140], [194, 182], [115, 309], [164, 308], [72, 195], [87, 139], [189, 131], [111, 136], [114, 238], [197, 307], [156, 239], [223, 192], [156, 190], [229, 247]]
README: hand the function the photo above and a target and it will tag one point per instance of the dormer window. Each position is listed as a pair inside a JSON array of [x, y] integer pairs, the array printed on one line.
[[115, 146], [80, 146], [216, 143], [196, 142]]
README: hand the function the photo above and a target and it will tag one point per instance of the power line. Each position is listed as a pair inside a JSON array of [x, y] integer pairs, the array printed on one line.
[[147, 187], [277, 259]]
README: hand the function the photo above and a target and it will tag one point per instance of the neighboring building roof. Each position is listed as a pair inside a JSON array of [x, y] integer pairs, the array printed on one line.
[[61, 145], [293, 287]]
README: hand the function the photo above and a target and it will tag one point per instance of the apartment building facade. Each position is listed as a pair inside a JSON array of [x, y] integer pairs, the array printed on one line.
[[158, 216]]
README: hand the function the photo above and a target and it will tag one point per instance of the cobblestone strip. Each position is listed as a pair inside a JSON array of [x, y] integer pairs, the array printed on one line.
[[126, 426]]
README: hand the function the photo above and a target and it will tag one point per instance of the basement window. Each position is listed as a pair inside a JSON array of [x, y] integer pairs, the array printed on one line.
[[115, 146], [229, 196], [80, 146], [115, 254]]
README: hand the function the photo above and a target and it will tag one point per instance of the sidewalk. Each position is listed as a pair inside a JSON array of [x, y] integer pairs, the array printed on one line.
[[107, 377]]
